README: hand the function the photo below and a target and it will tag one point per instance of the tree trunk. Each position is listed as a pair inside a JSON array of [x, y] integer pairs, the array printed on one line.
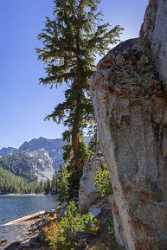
[[76, 161]]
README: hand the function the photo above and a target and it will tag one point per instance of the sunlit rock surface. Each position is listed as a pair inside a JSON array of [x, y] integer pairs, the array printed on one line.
[[131, 111], [88, 194]]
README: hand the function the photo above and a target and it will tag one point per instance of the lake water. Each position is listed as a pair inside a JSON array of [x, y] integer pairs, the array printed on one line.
[[15, 206]]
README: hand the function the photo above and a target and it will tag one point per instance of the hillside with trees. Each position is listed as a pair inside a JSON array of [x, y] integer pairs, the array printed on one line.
[[10, 183]]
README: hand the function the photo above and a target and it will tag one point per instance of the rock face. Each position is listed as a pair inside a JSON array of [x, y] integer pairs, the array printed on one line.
[[35, 165], [88, 194], [154, 29], [131, 110], [54, 147]]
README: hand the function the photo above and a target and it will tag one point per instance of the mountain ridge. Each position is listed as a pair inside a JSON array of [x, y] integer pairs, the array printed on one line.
[[54, 147], [37, 159]]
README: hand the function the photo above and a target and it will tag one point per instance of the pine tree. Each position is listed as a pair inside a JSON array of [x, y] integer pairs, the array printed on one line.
[[54, 184], [71, 42]]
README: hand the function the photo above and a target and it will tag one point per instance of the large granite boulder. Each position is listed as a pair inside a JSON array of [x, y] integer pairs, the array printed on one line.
[[130, 105]]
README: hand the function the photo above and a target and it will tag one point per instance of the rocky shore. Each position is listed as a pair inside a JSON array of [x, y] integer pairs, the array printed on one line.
[[24, 233]]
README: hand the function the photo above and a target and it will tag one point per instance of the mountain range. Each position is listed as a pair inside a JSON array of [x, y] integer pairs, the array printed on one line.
[[37, 159]]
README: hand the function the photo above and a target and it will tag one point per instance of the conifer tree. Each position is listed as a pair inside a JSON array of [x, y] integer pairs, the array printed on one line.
[[71, 41]]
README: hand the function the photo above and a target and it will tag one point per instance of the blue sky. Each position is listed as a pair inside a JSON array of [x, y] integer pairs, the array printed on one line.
[[23, 102]]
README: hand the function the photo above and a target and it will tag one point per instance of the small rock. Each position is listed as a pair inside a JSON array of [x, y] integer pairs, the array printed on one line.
[[95, 211], [3, 243]]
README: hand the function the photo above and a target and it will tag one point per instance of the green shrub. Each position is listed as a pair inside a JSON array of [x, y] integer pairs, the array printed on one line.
[[103, 183], [70, 225], [110, 227]]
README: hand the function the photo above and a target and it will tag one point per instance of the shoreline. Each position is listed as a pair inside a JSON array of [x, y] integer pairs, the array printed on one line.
[[24, 230], [24, 195]]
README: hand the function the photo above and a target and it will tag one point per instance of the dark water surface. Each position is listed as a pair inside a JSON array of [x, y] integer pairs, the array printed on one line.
[[16, 206]]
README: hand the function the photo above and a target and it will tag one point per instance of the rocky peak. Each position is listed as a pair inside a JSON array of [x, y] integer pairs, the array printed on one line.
[[39, 143], [54, 147], [7, 151]]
